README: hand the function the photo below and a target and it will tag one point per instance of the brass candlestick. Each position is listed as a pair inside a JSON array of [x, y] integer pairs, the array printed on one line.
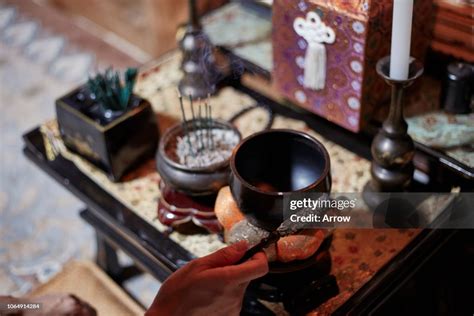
[[392, 148], [198, 65]]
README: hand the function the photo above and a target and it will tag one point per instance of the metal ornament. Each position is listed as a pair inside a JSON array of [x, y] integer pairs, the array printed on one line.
[[392, 148], [198, 65]]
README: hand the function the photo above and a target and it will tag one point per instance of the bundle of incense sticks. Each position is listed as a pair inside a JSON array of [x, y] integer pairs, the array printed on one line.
[[201, 124]]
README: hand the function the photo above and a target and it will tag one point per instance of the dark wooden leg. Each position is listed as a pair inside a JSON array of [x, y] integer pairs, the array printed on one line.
[[107, 258]]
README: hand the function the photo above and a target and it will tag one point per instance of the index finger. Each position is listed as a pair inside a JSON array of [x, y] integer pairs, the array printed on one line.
[[225, 256], [247, 271]]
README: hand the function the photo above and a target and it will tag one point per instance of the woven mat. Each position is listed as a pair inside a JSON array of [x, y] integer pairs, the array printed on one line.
[[356, 254]]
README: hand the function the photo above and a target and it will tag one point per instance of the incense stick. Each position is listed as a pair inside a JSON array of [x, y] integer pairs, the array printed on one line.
[[201, 128], [211, 121], [192, 110], [185, 123], [208, 125]]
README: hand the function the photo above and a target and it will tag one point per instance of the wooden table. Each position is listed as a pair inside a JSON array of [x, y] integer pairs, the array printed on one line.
[[118, 227]]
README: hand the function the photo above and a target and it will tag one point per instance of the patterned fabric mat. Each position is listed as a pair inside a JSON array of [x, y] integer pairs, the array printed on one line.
[[356, 254], [449, 133]]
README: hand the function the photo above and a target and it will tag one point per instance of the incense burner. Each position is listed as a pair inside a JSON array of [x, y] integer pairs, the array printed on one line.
[[188, 193], [191, 180]]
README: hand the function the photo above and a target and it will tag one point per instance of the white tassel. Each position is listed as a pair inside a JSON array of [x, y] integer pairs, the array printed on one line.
[[315, 67], [315, 33]]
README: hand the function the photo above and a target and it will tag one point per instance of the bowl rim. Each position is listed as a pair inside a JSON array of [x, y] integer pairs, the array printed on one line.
[[178, 126], [314, 184]]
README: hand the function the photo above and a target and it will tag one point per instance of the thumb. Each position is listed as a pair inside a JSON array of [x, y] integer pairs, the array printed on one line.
[[226, 256]]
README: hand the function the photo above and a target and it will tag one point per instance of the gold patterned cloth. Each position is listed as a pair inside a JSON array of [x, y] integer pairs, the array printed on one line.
[[356, 254]]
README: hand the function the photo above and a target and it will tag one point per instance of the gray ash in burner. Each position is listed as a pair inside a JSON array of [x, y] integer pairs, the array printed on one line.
[[202, 143], [205, 147]]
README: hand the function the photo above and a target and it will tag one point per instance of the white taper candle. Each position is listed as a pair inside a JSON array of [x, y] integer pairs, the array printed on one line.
[[401, 39]]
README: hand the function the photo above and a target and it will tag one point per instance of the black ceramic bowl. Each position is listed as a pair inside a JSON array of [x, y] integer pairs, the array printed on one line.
[[194, 181], [268, 165]]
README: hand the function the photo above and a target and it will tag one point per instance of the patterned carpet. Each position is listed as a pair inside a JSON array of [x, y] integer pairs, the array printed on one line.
[[39, 225]]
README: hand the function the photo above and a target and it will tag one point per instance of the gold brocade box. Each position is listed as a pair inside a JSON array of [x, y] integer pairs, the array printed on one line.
[[325, 53]]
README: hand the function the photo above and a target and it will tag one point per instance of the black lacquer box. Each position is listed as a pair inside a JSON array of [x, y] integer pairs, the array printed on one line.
[[115, 142]]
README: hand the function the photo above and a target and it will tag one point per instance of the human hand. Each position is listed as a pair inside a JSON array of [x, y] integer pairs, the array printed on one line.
[[211, 285]]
